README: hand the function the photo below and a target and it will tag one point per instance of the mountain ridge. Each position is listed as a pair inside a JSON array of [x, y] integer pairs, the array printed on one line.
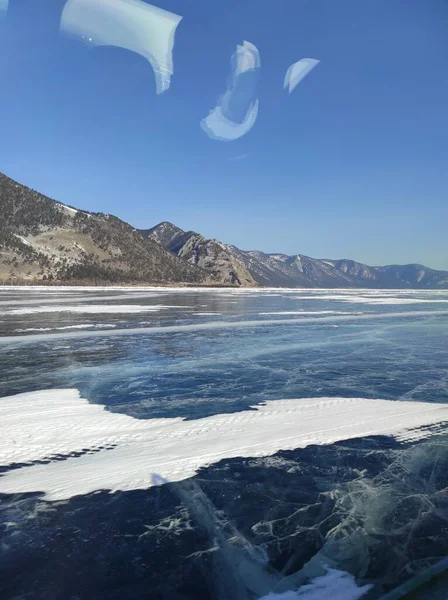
[[299, 270], [42, 239]]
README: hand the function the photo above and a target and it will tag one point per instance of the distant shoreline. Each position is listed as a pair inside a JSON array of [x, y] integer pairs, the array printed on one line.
[[90, 283], [139, 284]]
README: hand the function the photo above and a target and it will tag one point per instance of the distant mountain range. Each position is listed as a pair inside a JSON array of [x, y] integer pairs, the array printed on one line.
[[44, 240], [231, 265]]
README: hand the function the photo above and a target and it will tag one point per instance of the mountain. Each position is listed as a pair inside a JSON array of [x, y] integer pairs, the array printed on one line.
[[43, 239], [213, 256], [236, 266]]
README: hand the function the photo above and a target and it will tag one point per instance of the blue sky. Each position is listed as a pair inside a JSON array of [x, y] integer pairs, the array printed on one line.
[[351, 164]]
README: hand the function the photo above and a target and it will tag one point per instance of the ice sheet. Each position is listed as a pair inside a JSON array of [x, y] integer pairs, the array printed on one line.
[[306, 312], [373, 299], [119, 452], [76, 294], [45, 337]]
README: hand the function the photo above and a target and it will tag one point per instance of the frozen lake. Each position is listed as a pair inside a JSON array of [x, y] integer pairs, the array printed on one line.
[[264, 434]]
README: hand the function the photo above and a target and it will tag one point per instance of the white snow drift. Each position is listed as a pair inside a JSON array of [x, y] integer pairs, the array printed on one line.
[[334, 585], [125, 453], [91, 309]]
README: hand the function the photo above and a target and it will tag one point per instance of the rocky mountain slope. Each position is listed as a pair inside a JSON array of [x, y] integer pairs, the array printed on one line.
[[211, 255], [258, 268], [41, 239]]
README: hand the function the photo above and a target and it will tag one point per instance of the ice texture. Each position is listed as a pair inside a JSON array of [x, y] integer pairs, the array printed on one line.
[[272, 520], [210, 325]]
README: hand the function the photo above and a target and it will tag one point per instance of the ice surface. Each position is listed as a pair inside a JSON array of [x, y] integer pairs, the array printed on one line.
[[92, 309], [119, 452], [373, 299], [374, 507], [389, 526], [27, 339], [75, 294], [305, 312]]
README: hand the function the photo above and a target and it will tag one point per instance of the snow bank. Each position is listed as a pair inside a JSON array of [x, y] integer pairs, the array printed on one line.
[[90, 309], [123, 453], [81, 326], [307, 312], [334, 585], [374, 299]]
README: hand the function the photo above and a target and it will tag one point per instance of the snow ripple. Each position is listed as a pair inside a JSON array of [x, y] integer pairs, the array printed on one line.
[[60, 444]]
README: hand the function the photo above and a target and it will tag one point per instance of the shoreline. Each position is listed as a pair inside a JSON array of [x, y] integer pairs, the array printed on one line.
[[84, 283], [132, 284]]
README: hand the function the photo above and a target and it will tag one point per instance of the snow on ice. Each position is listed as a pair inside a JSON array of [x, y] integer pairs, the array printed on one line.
[[118, 452]]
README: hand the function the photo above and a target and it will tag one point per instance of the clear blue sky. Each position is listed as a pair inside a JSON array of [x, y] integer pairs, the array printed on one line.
[[352, 164]]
